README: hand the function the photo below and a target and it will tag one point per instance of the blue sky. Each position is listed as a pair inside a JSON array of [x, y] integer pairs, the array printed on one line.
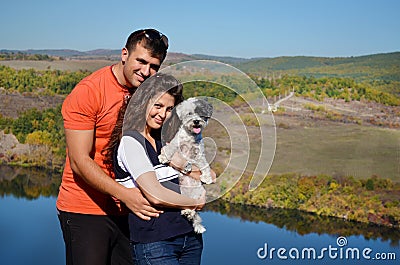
[[250, 28]]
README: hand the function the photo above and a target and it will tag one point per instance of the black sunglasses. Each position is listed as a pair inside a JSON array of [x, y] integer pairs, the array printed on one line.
[[153, 34]]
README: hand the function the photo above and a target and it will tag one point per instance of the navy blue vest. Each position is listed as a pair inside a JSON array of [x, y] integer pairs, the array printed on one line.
[[170, 223]]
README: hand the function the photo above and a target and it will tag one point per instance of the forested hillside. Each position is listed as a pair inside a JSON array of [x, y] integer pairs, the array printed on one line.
[[371, 67]]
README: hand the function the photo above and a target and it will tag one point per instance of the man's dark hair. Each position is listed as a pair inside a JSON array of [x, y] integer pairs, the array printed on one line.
[[151, 39]]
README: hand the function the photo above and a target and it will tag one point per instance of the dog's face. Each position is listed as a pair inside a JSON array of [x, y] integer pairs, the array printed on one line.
[[194, 114]]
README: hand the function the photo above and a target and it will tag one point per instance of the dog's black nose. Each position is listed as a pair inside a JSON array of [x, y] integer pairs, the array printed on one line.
[[196, 122]]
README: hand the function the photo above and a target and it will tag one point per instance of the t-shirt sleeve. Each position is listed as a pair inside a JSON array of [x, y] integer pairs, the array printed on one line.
[[80, 107], [133, 158]]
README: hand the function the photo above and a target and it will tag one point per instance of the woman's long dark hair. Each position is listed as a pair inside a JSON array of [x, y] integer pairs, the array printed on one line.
[[133, 112]]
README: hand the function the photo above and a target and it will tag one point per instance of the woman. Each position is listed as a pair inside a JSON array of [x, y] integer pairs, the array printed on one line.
[[168, 239]]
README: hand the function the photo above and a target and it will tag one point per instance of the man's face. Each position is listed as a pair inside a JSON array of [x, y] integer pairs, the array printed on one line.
[[138, 66]]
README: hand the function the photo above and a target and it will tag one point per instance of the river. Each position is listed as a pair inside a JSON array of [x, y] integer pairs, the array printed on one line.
[[30, 232]]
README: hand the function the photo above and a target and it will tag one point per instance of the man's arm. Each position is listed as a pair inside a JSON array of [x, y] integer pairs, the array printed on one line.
[[80, 144]]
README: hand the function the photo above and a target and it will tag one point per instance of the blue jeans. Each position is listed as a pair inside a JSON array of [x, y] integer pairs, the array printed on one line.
[[185, 249]]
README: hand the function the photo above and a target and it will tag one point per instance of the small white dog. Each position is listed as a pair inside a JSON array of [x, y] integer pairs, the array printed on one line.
[[183, 133]]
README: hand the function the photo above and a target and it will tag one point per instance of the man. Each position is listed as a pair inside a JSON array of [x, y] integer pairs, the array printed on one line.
[[93, 222]]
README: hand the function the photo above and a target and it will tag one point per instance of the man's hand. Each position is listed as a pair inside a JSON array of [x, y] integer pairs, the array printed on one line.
[[139, 205]]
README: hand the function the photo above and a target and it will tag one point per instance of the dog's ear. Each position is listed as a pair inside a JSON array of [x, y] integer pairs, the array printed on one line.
[[204, 108], [170, 127]]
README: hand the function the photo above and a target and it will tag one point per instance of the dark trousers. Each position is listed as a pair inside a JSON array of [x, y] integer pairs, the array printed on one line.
[[95, 239]]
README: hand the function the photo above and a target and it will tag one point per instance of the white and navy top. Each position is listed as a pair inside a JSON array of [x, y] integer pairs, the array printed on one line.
[[135, 157]]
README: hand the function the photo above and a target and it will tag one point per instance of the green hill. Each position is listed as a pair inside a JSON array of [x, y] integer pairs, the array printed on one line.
[[370, 67]]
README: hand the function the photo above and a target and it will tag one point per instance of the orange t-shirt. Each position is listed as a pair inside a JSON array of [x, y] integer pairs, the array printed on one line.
[[92, 105]]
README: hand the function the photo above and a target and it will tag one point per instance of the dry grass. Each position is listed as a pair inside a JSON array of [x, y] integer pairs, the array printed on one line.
[[339, 149], [335, 149]]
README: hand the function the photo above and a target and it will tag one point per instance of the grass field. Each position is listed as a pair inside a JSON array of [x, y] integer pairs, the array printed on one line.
[[338, 149], [330, 148]]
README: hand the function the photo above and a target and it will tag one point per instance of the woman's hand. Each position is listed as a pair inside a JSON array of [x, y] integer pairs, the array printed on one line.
[[196, 173], [178, 162]]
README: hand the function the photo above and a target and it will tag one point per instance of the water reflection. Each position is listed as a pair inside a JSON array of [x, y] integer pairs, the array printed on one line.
[[29, 183], [306, 223], [32, 183]]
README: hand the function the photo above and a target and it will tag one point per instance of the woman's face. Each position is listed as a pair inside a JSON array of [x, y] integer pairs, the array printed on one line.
[[159, 111]]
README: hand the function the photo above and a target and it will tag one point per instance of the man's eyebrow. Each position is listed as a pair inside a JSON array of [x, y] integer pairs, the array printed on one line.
[[142, 60]]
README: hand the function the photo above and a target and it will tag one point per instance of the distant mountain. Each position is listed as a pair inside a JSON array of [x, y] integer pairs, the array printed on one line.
[[174, 57], [96, 54], [108, 52], [68, 53], [103, 52], [60, 52], [224, 59]]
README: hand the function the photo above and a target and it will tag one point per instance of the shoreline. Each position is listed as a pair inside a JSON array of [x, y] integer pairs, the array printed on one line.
[[362, 205]]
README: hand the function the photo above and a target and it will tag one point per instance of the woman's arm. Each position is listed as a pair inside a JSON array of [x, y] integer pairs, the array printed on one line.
[[135, 160], [158, 195]]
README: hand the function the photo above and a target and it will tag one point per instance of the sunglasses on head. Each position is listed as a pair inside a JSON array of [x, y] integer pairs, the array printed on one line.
[[153, 34]]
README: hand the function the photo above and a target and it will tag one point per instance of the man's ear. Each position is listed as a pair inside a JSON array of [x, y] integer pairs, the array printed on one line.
[[124, 55]]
